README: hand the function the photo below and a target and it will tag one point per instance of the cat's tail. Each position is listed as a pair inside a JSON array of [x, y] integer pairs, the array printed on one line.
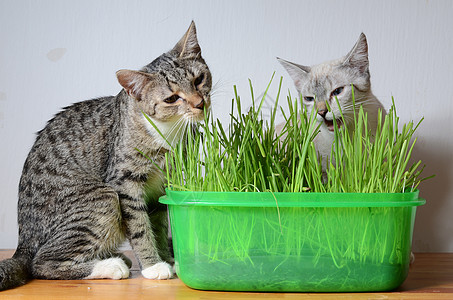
[[14, 271]]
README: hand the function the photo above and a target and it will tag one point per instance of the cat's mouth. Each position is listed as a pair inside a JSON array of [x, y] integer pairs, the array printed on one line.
[[330, 124]]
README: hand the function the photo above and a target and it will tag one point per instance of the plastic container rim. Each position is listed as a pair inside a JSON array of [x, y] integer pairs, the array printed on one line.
[[279, 199]]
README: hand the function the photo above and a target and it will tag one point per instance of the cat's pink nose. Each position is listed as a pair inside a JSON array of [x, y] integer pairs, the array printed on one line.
[[200, 105]]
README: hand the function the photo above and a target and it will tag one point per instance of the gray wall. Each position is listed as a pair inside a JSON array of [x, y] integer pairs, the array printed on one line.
[[54, 53]]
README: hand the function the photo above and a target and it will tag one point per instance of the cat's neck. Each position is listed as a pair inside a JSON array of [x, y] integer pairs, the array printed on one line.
[[138, 132], [168, 133]]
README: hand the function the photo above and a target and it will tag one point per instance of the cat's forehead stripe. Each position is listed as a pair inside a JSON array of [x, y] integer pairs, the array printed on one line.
[[163, 75]]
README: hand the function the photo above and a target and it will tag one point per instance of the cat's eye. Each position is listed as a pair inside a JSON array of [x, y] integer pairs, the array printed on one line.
[[172, 99], [198, 80], [336, 92], [309, 99]]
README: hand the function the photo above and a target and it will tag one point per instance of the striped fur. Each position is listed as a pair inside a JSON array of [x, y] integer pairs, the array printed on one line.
[[82, 188]]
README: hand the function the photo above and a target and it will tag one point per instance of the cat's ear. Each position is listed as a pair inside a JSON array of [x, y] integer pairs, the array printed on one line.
[[358, 57], [297, 72], [133, 82], [188, 44]]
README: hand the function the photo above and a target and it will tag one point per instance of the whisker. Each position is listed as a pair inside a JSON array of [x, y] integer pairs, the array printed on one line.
[[180, 126], [168, 136]]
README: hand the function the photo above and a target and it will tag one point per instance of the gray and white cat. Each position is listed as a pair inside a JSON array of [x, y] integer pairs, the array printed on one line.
[[323, 83], [82, 187]]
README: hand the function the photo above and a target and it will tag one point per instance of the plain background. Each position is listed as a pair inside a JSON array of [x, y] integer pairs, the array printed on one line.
[[54, 53]]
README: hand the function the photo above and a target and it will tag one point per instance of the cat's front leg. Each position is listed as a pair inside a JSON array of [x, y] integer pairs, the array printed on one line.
[[142, 238], [159, 221]]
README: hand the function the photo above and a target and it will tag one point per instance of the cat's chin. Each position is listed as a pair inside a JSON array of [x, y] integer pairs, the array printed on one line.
[[330, 124]]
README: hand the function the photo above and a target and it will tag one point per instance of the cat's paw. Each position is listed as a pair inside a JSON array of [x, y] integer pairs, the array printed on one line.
[[126, 259], [160, 270], [113, 268]]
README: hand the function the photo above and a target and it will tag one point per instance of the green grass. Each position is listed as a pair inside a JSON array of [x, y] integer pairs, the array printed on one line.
[[374, 162], [249, 155]]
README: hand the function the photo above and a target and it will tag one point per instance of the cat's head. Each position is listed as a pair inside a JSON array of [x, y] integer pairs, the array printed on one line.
[[174, 88], [326, 82]]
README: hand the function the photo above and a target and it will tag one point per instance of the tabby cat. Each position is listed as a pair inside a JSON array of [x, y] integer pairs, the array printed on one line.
[[82, 187], [326, 82]]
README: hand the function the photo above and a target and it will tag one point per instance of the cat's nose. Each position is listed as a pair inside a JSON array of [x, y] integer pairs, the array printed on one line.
[[200, 105], [322, 112]]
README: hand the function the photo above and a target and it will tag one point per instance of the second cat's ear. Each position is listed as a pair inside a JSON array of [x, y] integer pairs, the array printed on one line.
[[358, 56], [188, 44], [133, 82], [297, 72]]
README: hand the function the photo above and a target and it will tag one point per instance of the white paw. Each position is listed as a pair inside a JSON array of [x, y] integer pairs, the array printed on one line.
[[160, 270], [114, 268]]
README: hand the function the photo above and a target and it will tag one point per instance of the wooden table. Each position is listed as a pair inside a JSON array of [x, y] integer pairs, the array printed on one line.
[[430, 277]]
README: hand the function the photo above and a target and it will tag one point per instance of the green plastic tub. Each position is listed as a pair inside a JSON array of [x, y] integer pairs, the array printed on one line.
[[292, 242]]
